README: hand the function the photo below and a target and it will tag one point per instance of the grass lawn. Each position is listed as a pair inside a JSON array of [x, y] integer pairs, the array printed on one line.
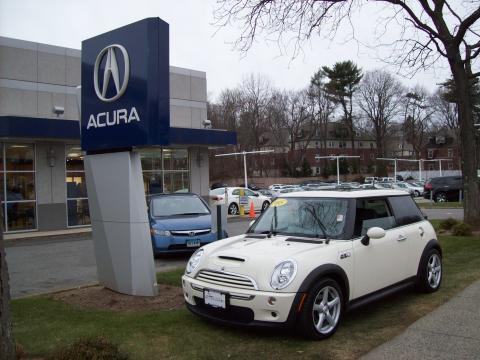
[[441, 205], [41, 324]]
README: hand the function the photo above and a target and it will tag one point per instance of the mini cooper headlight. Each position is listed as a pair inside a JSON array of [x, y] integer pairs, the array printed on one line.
[[283, 274], [194, 261]]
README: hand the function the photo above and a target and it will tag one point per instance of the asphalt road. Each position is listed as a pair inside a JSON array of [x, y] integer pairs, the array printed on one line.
[[45, 265]]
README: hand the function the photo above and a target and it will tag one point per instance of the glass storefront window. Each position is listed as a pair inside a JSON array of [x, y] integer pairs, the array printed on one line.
[[21, 216], [19, 157], [165, 170], [17, 186], [78, 213]]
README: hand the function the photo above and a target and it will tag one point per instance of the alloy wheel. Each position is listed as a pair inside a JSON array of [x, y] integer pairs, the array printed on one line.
[[232, 209], [434, 270], [326, 310]]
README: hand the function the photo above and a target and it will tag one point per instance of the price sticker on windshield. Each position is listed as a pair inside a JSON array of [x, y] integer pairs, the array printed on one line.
[[279, 202]]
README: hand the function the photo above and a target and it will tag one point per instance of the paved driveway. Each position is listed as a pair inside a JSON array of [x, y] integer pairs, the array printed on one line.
[[52, 264]]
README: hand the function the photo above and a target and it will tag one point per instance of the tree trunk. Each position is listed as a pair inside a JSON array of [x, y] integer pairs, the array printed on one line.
[[7, 346], [469, 158]]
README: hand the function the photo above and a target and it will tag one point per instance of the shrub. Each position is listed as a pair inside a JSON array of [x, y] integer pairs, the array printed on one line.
[[448, 224], [462, 229], [95, 348]]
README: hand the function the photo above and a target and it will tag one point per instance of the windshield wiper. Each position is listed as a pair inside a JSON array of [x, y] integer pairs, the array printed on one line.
[[320, 225], [274, 217]]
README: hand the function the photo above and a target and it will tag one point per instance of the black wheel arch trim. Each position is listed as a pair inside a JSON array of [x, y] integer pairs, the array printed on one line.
[[432, 244], [324, 271]]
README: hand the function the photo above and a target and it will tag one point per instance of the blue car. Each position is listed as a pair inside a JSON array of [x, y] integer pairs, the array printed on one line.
[[179, 222]]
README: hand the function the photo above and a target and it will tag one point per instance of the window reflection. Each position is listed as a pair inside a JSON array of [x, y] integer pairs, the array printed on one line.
[[19, 157], [21, 216], [78, 213]]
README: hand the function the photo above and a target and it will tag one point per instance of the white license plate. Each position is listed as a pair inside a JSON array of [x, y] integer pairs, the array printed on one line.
[[215, 299], [193, 243]]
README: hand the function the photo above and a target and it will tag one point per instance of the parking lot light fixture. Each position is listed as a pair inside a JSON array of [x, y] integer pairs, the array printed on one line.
[[337, 157], [245, 153]]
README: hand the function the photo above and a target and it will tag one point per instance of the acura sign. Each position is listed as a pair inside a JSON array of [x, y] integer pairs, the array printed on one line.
[[125, 87], [111, 70]]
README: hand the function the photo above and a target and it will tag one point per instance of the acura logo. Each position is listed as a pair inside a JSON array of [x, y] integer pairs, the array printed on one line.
[[111, 70]]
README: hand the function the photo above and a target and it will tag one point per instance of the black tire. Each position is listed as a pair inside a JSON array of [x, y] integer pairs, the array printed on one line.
[[265, 205], [416, 193], [308, 318], [423, 283], [233, 209], [440, 197]]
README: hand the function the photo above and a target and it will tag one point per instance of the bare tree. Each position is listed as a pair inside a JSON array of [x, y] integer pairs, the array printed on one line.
[[380, 99], [417, 118], [446, 112], [301, 124], [430, 30]]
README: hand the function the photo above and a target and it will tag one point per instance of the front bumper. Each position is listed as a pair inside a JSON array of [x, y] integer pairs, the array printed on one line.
[[165, 244], [245, 307]]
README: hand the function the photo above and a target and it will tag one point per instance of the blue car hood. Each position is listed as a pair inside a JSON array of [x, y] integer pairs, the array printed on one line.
[[185, 222]]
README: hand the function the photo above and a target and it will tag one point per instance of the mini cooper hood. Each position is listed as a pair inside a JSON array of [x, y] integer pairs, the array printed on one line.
[[255, 257]]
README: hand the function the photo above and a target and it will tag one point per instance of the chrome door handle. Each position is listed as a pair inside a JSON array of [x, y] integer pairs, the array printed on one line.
[[420, 229], [401, 238]]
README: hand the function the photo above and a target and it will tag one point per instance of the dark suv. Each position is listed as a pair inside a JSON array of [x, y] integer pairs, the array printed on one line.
[[445, 188]]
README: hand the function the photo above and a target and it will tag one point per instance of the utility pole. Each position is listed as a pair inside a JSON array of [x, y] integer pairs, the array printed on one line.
[[245, 153], [338, 157]]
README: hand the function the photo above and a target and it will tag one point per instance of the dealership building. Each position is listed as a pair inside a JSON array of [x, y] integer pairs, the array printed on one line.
[[42, 179]]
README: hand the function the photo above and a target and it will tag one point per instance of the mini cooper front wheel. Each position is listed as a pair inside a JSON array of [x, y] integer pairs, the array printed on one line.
[[322, 310], [429, 274]]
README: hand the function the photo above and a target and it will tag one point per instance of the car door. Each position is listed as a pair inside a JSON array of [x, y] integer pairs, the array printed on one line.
[[381, 262], [410, 224]]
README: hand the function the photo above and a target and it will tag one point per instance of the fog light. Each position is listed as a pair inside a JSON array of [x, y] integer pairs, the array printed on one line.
[[274, 314], [271, 300]]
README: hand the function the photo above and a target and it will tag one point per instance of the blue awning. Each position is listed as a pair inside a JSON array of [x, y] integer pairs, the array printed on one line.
[[40, 128]]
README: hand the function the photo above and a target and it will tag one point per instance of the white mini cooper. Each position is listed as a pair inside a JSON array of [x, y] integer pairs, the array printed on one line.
[[311, 256]]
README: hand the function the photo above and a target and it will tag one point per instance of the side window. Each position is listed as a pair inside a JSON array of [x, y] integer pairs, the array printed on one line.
[[236, 192], [372, 213], [249, 193], [405, 210]]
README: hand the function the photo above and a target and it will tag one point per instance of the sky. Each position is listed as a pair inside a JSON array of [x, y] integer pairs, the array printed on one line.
[[196, 43]]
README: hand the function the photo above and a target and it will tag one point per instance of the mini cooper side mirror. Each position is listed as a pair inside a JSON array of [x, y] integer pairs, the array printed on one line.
[[376, 233]]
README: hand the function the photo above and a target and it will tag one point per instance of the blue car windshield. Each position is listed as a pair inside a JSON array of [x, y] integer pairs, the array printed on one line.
[[309, 217], [178, 205]]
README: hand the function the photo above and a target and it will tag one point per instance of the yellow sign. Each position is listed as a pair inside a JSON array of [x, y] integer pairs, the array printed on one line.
[[279, 202]]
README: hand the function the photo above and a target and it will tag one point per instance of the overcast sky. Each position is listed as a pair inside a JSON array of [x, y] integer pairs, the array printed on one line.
[[193, 42]]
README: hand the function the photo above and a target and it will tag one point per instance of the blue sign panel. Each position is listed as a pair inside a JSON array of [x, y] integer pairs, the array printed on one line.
[[125, 87]]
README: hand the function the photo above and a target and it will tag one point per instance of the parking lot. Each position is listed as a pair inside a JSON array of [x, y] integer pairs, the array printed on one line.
[[48, 264]]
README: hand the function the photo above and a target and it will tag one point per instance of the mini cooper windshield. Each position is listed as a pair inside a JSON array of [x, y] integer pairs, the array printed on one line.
[[308, 217]]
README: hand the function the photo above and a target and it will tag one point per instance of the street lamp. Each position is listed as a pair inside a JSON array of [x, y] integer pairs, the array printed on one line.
[[245, 153], [338, 157], [395, 166]]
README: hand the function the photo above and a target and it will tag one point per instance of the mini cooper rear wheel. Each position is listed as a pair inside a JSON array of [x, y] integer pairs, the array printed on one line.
[[429, 274], [322, 310]]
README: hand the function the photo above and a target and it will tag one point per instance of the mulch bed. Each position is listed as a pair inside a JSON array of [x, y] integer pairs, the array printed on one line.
[[100, 298]]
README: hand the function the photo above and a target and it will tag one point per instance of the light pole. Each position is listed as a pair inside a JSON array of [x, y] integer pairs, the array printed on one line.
[[338, 157], [394, 166], [245, 153], [439, 163], [419, 166]]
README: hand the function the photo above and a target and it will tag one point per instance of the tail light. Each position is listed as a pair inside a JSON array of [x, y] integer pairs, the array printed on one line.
[[427, 186]]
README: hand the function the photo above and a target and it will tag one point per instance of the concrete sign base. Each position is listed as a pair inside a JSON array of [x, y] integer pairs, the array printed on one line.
[[120, 226]]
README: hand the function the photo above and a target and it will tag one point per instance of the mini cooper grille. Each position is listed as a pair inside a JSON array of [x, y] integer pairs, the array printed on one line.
[[226, 279]]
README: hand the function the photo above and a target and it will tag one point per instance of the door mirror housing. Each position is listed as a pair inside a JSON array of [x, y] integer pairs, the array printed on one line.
[[376, 233], [256, 194]]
